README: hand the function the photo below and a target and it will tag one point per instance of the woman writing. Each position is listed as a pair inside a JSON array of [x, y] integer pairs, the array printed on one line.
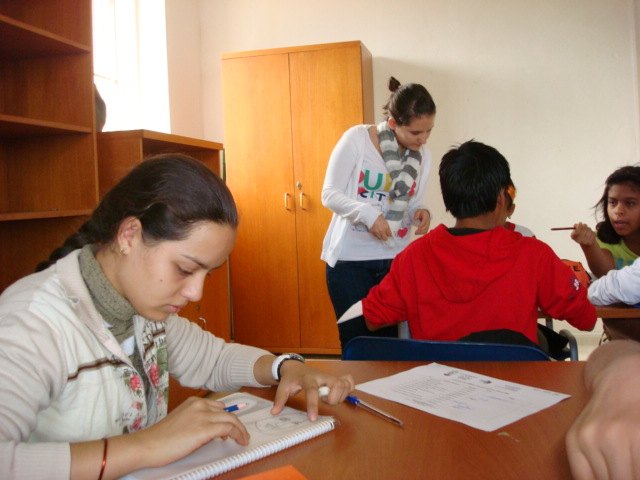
[[88, 343], [375, 185]]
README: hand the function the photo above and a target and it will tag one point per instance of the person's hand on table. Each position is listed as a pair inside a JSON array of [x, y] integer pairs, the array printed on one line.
[[298, 377]]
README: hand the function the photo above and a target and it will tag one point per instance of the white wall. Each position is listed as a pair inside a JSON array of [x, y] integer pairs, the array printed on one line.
[[185, 67], [552, 84]]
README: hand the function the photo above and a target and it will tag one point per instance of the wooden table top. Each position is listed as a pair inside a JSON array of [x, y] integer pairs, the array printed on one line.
[[429, 447], [610, 311], [617, 311]]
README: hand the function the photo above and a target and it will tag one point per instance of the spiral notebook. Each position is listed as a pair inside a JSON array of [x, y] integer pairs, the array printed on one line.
[[269, 434]]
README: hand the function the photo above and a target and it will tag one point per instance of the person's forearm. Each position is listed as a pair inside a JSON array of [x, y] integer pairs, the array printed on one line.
[[125, 454], [262, 370], [598, 259], [617, 286]]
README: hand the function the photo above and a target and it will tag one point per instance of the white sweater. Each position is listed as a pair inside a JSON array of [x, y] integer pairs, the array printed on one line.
[[340, 191], [617, 286], [61, 370]]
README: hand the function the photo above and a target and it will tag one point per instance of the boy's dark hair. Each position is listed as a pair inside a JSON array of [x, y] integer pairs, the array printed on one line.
[[168, 193], [471, 177], [628, 175]]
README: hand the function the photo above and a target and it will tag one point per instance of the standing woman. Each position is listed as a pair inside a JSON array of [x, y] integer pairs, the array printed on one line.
[[87, 344], [375, 186]]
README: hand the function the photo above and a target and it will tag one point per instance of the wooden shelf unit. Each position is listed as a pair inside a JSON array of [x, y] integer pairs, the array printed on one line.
[[48, 168]]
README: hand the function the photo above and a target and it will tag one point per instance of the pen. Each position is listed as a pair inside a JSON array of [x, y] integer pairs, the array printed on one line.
[[562, 228], [233, 408], [323, 391], [370, 408]]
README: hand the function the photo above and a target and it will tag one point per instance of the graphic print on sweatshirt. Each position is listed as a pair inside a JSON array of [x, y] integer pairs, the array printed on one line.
[[373, 187]]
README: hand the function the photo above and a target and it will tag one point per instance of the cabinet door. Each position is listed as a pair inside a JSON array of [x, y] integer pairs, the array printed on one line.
[[326, 99], [260, 175]]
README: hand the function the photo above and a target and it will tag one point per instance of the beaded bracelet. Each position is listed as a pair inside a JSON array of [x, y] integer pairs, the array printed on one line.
[[104, 458]]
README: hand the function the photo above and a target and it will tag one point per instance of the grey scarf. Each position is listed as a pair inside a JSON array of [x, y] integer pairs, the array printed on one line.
[[404, 171]]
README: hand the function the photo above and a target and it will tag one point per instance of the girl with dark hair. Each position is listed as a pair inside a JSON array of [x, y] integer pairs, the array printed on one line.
[[87, 344], [617, 241], [375, 186]]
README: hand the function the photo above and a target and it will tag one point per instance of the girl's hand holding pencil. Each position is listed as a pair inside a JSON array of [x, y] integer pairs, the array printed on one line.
[[583, 235]]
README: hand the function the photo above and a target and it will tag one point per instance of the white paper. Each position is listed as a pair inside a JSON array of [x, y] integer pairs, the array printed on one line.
[[352, 312], [476, 400]]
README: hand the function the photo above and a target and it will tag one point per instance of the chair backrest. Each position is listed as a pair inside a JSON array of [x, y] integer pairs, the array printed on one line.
[[386, 348]]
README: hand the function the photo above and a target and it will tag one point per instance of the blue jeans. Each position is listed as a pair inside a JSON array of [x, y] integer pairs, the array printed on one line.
[[349, 282]]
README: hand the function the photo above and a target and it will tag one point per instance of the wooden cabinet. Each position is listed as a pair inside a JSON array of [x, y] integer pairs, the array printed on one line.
[[284, 110], [47, 133], [118, 152]]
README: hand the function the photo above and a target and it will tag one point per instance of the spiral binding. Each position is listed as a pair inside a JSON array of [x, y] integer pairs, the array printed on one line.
[[261, 451]]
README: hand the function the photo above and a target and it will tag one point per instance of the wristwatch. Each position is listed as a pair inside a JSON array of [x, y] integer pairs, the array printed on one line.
[[277, 363]]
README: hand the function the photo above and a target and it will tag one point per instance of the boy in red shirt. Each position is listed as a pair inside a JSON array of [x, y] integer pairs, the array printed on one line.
[[477, 278]]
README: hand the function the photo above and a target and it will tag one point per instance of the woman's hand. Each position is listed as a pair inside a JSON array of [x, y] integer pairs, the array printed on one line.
[[297, 376], [583, 235], [422, 220], [193, 423], [380, 229]]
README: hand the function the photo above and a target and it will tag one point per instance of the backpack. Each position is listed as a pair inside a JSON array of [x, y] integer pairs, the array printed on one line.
[[579, 271]]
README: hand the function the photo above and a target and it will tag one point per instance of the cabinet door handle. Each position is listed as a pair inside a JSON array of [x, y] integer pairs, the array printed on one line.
[[302, 201], [286, 201]]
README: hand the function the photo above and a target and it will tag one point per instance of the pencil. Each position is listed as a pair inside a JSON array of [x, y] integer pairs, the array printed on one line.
[[563, 228], [233, 408]]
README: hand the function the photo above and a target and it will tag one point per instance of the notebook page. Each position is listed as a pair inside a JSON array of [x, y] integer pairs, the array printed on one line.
[[269, 434]]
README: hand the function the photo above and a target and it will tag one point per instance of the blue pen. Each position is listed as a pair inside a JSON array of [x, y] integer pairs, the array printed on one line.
[[233, 408], [370, 408]]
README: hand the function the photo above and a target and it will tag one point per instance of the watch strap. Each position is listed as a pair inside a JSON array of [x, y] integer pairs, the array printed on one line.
[[277, 363]]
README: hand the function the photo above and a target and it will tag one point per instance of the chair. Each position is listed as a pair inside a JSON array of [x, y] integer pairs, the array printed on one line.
[[560, 345], [386, 348]]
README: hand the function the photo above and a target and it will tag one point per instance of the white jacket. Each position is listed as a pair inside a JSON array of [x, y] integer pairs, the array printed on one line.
[[63, 376], [340, 191], [617, 286]]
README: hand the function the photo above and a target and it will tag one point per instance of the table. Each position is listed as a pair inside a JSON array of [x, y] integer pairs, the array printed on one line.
[[607, 311], [620, 321], [617, 311], [429, 447]]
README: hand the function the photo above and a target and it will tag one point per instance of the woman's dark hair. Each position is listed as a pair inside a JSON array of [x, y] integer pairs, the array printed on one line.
[[407, 102], [168, 193], [471, 177], [629, 175]]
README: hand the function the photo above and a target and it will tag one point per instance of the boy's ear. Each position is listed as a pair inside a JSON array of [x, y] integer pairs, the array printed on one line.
[[392, 123], [501, 203]]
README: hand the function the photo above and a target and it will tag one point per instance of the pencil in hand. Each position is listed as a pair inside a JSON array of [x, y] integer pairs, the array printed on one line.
[[562, 228]]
